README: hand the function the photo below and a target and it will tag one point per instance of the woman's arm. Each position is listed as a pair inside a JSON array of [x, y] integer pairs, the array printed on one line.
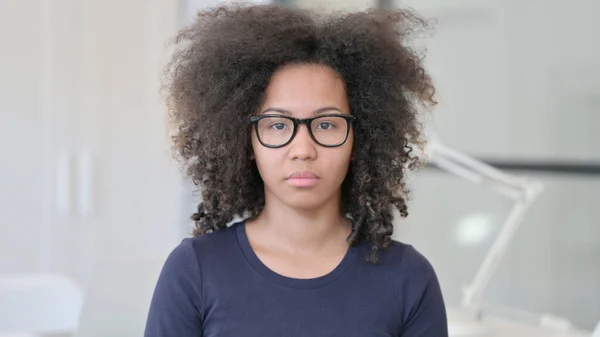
[[426, 315], [175, 309]]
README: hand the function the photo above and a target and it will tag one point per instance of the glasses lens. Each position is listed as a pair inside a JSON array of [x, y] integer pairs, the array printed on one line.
[[330, 130], [275, 131]]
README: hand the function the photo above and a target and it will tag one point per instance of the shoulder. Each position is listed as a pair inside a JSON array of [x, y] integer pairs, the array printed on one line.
[[194, 250], [406, 260], [177, 306], [184, 265], [420, 296], [413, 274], [404, 266]]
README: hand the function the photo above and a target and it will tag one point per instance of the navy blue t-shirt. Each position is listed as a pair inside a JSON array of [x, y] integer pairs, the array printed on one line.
[[215, 286]]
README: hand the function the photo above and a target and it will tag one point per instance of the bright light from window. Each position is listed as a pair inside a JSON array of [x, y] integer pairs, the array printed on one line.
[[473, 229]]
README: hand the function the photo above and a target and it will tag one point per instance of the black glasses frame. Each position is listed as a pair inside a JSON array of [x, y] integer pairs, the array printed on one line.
[[297, 122]]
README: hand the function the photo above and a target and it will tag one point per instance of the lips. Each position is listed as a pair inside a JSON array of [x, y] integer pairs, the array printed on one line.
[[303, 175], [303, 179]]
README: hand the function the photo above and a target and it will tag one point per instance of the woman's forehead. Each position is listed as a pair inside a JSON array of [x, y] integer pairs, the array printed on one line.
[[305, 89]]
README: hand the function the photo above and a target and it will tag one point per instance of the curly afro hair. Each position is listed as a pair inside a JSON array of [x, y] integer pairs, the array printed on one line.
[[217, 79]]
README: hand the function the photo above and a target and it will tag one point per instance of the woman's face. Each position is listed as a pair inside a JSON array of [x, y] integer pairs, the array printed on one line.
[[303, 174]]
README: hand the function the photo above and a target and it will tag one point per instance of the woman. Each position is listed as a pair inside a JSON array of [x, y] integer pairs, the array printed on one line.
[[301, 125]]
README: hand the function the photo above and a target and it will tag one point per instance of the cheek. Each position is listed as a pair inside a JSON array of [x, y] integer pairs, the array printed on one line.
[[338, 162], [265, 158], [264, 162], [346, 153]]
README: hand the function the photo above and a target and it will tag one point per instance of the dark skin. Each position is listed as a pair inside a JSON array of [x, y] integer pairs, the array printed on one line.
[[301, 233]]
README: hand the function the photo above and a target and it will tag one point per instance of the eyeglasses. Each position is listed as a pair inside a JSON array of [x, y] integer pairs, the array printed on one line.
[[276, 131]]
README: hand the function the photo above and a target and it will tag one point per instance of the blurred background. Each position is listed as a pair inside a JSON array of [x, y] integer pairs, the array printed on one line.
[[86, 174]]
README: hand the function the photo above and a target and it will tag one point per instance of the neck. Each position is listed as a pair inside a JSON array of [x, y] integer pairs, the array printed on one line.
[[304, 230]]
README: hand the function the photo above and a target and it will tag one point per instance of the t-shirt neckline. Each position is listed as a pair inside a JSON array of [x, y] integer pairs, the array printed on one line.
[[275, 277]]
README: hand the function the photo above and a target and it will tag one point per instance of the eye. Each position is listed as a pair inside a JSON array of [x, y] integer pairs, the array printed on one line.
[[325, 125], [278, 126]]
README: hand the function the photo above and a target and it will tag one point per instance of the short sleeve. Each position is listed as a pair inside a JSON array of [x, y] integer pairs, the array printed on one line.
[[175, 309], [424, 314]]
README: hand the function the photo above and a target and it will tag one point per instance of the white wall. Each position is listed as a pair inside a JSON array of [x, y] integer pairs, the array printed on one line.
[[81, 77], [335, 4], [23, 164]]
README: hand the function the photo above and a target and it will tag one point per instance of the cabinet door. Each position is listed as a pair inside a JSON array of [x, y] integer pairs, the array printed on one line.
[[126, 171], [87, 171], [26, 155]]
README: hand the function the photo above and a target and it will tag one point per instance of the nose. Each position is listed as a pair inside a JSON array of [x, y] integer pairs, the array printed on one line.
[[302, 146]]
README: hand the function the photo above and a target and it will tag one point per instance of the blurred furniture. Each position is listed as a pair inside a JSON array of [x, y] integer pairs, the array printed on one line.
[[473, 318], [38, 304], [118, 298], [461, 325]]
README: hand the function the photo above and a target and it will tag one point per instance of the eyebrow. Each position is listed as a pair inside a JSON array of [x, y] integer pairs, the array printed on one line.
[[287, 112]]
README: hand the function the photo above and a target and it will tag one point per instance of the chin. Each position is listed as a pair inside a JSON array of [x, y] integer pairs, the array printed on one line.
[[304, 205], [305, 200]]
